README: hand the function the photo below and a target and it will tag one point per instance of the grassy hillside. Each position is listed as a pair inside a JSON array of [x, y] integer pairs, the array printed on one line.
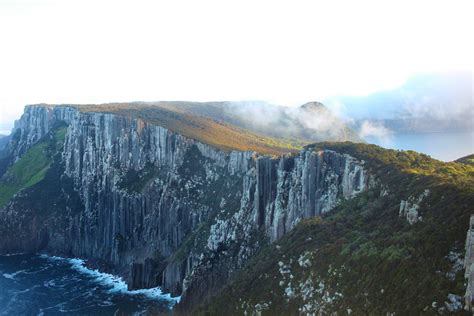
[[31, 168], [363, 258], [467, 160]]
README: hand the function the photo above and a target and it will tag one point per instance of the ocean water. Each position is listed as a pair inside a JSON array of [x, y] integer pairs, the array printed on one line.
[[43, 285], [446, 146]]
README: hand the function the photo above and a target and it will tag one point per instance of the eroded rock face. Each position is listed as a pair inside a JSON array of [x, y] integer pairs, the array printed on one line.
[[409, 208], [34, 124], [311, 184], [166, 210], [469, 267]]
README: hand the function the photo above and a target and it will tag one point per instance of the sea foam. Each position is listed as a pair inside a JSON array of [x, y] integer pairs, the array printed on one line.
[[115, 283], [12, 276]]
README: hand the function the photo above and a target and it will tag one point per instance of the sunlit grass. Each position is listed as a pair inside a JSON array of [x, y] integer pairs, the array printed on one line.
[[31, 168], [203, 129]]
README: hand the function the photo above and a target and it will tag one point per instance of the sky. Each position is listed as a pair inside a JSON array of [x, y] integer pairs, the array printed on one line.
[[283, 52]]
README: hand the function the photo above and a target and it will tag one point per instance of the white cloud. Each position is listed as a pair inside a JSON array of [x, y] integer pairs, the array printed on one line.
[[377, 130], [285, 52], [290, 120]]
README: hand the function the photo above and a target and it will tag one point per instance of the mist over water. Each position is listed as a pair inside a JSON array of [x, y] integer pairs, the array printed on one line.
[[430, 113], [41, 285]]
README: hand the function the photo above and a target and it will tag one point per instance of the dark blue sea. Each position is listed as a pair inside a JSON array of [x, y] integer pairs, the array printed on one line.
[[43, 285]]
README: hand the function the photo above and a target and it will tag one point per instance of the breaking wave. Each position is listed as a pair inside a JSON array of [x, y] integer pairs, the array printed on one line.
[[12, 276], [115, 283]]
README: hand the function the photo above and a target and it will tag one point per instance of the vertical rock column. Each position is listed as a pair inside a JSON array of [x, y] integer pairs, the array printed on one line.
[[266, 190], [469, 266]]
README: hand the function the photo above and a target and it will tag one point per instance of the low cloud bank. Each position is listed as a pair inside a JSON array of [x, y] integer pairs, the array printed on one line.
[[377, 130], [311, 121], [429, 103]]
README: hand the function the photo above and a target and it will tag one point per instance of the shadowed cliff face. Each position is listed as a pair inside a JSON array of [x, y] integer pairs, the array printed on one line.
[[160, 208]]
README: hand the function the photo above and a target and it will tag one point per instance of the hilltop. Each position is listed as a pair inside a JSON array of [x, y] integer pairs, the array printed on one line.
[[469, 159], [254, 126]]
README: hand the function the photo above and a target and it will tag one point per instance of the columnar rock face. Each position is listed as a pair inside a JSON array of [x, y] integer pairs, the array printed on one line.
[[469, 266], [167, 210], [311, 184], [34, 124]]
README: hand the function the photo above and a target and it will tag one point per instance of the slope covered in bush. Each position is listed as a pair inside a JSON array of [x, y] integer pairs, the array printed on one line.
[[365, 257]]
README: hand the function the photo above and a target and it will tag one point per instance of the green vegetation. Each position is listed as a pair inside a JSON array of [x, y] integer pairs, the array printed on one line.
[[366, 257], [50, 202], [31, 168], [395, 166], [62, 199], [467, 160]]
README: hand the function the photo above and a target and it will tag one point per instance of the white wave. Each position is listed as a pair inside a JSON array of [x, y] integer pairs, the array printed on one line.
[[13, 254], [115, 283], [8, 276], [26, 290], [52, 258], [12, 276]]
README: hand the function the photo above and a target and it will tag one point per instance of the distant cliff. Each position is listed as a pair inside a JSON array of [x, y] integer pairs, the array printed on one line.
[[158, 207]]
